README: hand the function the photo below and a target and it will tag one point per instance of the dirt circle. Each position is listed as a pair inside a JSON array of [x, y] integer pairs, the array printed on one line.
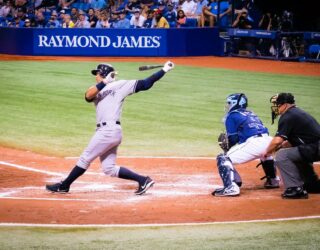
[[182, 193]]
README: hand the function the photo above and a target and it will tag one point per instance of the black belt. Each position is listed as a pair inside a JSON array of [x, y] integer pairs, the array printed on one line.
[[105, 123]]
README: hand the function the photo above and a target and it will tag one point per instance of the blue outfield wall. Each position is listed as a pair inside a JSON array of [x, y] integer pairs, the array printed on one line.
[[111, 42]]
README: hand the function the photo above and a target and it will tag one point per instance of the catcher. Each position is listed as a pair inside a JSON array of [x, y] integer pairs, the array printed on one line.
[[246, 139]]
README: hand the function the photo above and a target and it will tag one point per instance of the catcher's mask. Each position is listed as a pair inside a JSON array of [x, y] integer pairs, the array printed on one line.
[[236, 101], [105, 70], [278, 100]]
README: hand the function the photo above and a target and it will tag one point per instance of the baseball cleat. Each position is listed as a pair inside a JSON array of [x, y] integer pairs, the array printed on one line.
[[146, 185], [57, 188], [217, 190], [295, 193], [232, 190], [272, 183]]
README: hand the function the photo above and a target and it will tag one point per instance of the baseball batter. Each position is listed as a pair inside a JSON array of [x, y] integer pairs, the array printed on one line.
[[248, 139], [108, 96]]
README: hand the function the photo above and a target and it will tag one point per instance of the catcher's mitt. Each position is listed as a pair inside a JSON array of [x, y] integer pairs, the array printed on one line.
[[223, 142]]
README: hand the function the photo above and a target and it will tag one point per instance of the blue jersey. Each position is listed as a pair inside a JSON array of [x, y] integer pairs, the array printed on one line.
[[243, 124]]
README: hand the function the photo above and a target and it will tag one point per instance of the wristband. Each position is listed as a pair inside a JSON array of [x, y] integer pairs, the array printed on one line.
[[100, 85]]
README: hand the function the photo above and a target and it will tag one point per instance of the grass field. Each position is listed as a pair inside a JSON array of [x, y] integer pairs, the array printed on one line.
[[302, 234], [43, 110], [43, 107]]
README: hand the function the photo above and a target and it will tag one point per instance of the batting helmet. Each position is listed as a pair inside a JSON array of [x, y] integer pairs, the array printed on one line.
[[103, 70], [236, 101]]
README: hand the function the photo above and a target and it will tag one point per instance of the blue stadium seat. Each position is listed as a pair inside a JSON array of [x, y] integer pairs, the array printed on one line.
[[315, 49]]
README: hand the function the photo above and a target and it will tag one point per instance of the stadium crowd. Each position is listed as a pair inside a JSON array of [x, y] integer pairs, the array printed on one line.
[[131, 14]]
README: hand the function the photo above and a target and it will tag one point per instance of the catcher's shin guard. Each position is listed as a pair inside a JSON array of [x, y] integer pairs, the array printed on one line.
[[227, 172]]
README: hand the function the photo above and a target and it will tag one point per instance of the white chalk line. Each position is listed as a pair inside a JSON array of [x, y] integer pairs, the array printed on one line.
[[155, 224], [154, 157]]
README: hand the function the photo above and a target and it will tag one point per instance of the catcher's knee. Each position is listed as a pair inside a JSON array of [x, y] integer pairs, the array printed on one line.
[[111, 170]]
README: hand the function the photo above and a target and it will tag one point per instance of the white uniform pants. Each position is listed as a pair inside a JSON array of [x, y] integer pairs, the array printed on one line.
[[103, 144], [251, 149]]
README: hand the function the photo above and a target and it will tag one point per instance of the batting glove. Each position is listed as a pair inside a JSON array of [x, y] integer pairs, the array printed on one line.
[[168, 66]]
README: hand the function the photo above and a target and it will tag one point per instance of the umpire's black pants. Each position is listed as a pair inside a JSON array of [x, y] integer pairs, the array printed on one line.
[[294, 170]]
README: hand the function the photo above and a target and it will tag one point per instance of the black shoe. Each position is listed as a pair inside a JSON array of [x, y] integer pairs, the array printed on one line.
[[295, 193], [57, 188], [145, 186], [272, 183]]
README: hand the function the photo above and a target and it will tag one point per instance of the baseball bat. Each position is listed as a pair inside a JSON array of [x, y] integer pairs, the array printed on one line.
[[148, 67]]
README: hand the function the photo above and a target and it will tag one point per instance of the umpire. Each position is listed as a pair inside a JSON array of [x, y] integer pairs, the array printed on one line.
[[297, 143]]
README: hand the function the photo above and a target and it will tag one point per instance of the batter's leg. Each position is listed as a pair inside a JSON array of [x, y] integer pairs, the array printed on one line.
[[108, 162]]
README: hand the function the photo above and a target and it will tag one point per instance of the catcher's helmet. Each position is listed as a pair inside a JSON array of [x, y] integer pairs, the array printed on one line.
[[103, 70], [236, 101]]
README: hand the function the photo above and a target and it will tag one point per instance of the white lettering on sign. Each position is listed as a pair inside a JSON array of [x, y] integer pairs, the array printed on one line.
[[98, 41]]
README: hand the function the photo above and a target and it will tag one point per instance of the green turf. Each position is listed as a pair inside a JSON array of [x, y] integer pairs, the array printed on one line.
[[43, 109], [303, 234]]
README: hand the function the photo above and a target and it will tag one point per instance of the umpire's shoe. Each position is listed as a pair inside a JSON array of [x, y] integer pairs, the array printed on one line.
[[295, 193], [57, 188], [145, 186]]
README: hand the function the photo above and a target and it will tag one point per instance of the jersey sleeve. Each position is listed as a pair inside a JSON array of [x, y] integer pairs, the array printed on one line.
[[284, 128], [231, 125], [126, 87]]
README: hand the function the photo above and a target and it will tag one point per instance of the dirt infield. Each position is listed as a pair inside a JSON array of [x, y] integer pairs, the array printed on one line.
[[254, 65], [182, 193]]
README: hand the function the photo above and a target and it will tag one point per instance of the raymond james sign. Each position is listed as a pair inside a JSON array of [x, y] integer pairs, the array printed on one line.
[[100, 42], [58, 41]]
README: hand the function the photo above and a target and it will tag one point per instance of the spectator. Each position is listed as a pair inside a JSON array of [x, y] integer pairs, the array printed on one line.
[[145, 11], [131, 6], [54, 18], [82, 22], [297, 146], [48, 4], [144, 3], [66, 4], [161, 22], [74, 14], [181, 18], [113, 19], [210, 13], [6, 9], [200, 5], [123, 22], [162, 6], [137, 20], [103, 21], [27, 23], [21, 13], [242, 21], [40, 21], [17, 22], [21, 3], [67, 22], [92, 18], [98, 4], [171, 16], [150, 21], [264, 45], [189, 8], [247, 43], [265, 22]]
